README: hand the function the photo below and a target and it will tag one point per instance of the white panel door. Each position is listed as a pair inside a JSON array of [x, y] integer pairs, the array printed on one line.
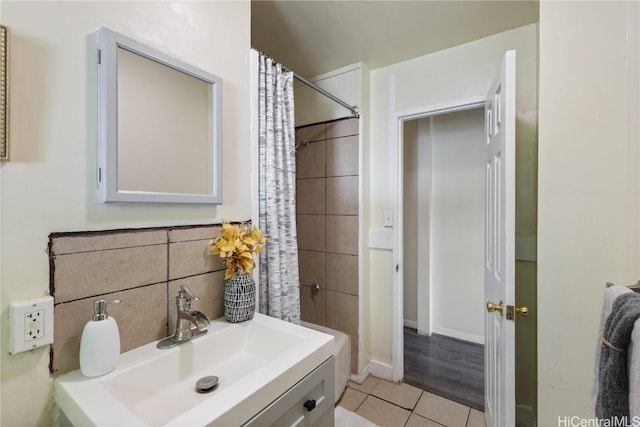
[[499, 275]]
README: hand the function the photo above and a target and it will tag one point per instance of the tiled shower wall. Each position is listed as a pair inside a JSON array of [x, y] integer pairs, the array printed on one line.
[[327, 213], [143, 268]]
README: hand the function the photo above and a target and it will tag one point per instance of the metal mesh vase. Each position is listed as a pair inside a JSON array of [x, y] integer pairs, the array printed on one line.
[[239, 298]]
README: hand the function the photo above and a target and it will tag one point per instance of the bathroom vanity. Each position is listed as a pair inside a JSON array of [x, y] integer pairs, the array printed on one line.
[[270, 372], [308, 403]]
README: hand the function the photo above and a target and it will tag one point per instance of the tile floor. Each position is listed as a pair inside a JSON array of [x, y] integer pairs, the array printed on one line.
[[389, 404]]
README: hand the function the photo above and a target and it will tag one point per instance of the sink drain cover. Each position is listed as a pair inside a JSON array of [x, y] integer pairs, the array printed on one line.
[[206, 384]]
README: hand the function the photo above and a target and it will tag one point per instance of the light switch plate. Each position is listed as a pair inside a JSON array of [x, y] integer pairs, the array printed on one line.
[[31, 324], [388, 218]]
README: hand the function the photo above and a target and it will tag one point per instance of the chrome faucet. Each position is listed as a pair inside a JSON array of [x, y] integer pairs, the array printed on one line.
[[190, 323]]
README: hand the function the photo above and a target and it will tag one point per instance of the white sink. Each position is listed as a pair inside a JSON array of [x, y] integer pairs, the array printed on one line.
[[255, 361]]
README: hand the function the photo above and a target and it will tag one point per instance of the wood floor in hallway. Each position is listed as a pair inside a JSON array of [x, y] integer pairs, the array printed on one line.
[[445, 366]]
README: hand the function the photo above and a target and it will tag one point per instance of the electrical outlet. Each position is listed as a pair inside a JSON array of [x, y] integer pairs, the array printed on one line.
[[31, 324], [34, 325]]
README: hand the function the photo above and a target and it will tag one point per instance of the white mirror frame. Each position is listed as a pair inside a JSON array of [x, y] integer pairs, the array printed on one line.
[[108, 44]]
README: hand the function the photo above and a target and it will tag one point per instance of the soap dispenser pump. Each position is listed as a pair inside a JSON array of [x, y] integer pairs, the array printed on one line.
[[100, 342]]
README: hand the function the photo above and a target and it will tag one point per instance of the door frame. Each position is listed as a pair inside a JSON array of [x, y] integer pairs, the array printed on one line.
[[396, 190]]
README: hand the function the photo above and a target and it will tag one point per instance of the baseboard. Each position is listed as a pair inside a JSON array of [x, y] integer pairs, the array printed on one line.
[[381, 370], [362, 376], [478, 339], [411, 324], [375, 368]]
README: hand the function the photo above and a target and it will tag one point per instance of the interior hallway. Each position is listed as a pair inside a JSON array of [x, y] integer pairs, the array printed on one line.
[[446, 366]]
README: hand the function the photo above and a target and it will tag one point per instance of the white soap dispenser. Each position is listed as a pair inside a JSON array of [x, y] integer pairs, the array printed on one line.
[[100, 342]]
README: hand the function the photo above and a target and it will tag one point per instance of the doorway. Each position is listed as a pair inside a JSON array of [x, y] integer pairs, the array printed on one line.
[[499, 230], [443, 245]]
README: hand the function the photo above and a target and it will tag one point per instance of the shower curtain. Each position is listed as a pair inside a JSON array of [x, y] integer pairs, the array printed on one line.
[[279, 276]]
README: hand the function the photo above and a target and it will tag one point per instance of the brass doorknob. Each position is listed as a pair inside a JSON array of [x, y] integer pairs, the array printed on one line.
[[523, 311], [491, 307]]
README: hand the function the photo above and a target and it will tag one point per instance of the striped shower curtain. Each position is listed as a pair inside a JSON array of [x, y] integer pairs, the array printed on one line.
[[279, 276]]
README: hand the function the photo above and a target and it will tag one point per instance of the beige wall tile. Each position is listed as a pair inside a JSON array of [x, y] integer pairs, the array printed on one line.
[[68, 321], [312, 268], [342, 195], [342, 156], [312, 307], [342, 234], [86, 274], [342, 273], [198, 232], [310, 196], [441, 410], [142, 270], [190, 258], [311, 232], [311, 133], [142, 315], [310, 160], [382, 413], [141, 318], [96, 241], [352, 399], [194, 233], [209, 288], [342, 128], [400, 394], [342, 312]]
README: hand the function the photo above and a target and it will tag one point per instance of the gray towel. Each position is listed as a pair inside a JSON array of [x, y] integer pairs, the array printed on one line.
[[610, 295], [613, 392]]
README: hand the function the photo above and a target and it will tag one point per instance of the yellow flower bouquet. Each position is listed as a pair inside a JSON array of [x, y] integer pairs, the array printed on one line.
[[236, 246]]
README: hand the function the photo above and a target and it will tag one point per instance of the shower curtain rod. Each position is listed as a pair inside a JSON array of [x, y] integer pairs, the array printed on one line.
[[353, 108]]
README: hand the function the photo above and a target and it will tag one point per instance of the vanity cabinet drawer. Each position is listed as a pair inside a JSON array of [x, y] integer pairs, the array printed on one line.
[[308, 403]]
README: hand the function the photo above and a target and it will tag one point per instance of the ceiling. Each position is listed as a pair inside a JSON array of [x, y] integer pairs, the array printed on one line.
[[314, 37]]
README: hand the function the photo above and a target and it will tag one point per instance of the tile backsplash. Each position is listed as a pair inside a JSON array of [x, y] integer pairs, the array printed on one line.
[[143, 268]]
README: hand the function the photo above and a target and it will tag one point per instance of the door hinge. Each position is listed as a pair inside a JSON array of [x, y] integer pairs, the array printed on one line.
[[99, 174], [99, 56], [397, 267]]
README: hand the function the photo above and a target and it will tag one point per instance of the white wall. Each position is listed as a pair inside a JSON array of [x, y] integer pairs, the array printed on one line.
[[313, 107], [49, 185], [588, 187], [457, 224], [453, 74], [454, 202]]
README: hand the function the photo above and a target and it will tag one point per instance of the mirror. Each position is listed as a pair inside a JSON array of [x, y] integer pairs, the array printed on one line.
[[160, 126]]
